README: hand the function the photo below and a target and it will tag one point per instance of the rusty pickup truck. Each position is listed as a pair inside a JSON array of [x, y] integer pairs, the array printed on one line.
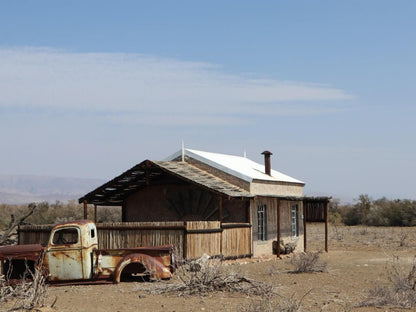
[[72, 255]]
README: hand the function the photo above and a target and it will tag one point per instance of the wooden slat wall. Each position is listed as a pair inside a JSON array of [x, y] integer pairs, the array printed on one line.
[[236, 241], [315, 212], [192, 238], [198, 243], [137, 234], [119, 235], [34, 234]]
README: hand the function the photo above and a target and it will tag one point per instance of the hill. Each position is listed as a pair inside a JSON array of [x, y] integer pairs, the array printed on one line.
[[23, 189]]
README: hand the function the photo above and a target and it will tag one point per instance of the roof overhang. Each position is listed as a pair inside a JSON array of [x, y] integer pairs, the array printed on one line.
[[317, 199], [116, 191]]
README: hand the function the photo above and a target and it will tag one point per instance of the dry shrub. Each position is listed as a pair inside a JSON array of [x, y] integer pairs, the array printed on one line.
[[281, 304], [402, 289], [208, 276], [261, 305], [30, 293], [5, 290], [402, 239], [308, 262], [339, 234]]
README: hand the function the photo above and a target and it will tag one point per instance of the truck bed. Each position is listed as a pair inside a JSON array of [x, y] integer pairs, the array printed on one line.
[[158, 262]]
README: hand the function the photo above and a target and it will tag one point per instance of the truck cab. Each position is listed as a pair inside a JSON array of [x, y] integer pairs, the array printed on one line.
[[69, 254]]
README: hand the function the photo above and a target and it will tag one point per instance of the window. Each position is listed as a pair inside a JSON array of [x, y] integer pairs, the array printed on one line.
[[65, 237], [262, 222], [295, 221]]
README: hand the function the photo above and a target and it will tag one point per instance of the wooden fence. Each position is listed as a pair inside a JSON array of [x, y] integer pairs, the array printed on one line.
[[191, 238], [236, 240]]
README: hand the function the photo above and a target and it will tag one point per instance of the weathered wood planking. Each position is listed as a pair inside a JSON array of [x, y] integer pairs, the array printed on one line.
[[34, 234], [191, 238], [203, 237], [236, 241], [137, 234]]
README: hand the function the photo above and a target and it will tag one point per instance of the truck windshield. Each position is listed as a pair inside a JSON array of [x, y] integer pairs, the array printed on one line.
[[65, 236]]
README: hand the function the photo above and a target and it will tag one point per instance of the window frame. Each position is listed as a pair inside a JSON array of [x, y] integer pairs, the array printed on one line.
[[262, 222], [294, 220], [56, 239]]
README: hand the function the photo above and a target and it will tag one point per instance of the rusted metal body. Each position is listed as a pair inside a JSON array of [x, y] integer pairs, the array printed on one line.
[[156, 262], [21, 252], [72, 254]]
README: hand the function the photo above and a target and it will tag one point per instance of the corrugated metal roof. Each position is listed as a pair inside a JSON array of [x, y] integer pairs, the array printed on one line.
[[198, 176], [237, 166]]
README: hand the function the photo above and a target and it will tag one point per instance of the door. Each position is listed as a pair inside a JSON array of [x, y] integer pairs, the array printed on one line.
[[64, 256]]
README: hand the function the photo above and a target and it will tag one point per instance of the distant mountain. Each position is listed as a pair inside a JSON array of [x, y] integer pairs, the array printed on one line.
[[23, 189]]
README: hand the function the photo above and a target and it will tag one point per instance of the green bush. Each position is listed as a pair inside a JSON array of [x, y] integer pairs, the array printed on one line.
[[380, 212]]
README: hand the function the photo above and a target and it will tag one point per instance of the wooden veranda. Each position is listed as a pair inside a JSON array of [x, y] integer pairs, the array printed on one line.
[[315, 209]]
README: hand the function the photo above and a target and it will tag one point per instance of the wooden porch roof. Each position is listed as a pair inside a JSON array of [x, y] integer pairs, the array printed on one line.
[[114, 192]]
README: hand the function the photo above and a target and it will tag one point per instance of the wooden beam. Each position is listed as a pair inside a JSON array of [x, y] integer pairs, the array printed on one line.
[[220, 209], [123, 213], [326, 225], [248, 212], [95, 213], [220, 219], [185, 244], [278, 228], [305, 241], [85, 210], [249, 220]]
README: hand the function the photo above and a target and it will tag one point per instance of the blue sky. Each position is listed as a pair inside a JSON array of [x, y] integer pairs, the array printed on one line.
[[90, 88]]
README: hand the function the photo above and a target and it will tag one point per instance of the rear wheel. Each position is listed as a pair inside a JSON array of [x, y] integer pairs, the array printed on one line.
[[134, 272]]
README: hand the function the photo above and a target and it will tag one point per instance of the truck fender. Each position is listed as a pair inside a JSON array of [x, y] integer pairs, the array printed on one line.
[[154, 267]]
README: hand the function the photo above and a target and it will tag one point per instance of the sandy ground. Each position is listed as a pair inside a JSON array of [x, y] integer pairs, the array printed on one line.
[[357, 261]]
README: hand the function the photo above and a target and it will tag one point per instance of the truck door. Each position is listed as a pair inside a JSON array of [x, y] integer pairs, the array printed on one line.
[[64, 255]]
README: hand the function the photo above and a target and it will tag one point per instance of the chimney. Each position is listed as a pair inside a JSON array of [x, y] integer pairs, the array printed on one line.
[[267, 166]]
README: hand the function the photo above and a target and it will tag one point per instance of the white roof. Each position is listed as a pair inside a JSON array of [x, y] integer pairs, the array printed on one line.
[[238, 166]]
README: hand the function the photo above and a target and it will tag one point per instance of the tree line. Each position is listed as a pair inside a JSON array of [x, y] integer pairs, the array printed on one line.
[[52, 213], [374, 212], [365, 211]]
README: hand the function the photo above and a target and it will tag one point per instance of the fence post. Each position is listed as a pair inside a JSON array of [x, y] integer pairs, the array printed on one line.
[[305, 244], [85, 210], [326, 225], [278, 228]]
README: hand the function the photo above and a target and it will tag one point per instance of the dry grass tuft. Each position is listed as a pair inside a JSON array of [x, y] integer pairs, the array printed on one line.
[[211, 276], [281, 304], [402, 289], [308, 262]]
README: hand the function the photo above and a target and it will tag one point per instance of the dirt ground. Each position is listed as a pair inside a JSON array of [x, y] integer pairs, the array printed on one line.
[[356, 262]]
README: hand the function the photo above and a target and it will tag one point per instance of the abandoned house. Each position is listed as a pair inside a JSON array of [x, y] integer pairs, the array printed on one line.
[[204, 202]]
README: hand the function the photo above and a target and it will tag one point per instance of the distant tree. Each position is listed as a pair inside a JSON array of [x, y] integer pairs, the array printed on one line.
[[364, 204], [15, 222]]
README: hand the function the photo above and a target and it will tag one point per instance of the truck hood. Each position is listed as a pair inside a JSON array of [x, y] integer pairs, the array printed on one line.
[[28, 252]]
